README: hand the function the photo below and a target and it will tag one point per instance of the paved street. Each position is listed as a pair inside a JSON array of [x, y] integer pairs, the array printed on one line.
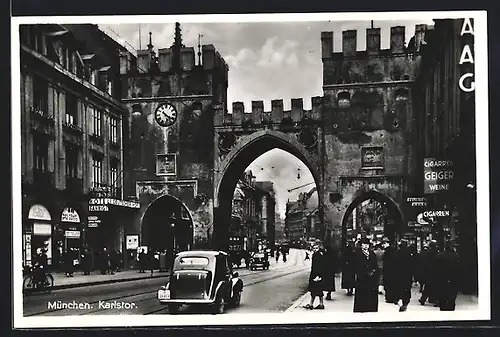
[[271, 290]]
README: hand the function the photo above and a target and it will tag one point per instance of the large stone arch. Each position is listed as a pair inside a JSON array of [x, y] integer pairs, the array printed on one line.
[[246, 150], [364, 194]]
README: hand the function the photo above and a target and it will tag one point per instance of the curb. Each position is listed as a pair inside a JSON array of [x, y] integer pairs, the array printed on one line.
[[87, 284], [297, 302]]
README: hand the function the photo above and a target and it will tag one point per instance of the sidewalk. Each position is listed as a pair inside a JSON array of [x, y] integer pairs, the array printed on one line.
[[80, 280], [342, 303]]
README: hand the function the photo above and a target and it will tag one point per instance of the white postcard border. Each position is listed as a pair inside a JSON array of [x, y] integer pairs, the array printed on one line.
[[483, 311]]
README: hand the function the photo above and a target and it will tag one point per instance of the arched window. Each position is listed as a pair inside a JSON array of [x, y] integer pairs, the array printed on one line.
[[344, 99]]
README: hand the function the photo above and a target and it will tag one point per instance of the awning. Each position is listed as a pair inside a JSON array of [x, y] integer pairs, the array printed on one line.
[[57, 33], [87, 57], [105, 68]]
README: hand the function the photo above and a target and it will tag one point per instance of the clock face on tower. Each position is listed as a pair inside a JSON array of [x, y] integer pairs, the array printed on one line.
[[165, 114]]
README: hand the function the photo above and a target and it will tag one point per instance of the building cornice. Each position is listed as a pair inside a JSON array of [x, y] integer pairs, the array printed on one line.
[[368, 84], [99, 94]]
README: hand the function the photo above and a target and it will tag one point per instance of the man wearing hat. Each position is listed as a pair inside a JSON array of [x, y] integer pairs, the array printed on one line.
[[366, 270], [448, 275], [429, 274], [404, 274]]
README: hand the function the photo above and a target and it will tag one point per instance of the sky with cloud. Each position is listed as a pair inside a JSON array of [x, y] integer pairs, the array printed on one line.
[[275, 60]]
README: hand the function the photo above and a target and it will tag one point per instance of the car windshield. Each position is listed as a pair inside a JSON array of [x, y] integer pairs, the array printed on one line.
[[191, 260]]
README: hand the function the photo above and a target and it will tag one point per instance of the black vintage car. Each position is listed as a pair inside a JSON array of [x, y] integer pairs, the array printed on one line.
[[259, 260], [201, 277]]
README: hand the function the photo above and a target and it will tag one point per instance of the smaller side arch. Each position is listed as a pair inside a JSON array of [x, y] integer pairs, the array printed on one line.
[[162, 198], [363, 195]]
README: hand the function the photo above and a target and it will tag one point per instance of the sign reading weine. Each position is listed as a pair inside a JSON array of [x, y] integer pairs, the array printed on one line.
[[438, 175]]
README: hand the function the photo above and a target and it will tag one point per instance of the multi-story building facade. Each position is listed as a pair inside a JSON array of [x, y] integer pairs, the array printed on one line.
[[302, 220], [268, 212], [71, 142], [445, 130]]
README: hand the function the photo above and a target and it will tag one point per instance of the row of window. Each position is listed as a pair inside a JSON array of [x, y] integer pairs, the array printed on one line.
[[40, 103], [67, 57], [72, 154]]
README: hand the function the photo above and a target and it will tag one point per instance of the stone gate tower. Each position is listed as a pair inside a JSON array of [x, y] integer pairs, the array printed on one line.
[[174, 160]]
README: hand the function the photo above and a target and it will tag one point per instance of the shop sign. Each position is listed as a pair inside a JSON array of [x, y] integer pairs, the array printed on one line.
[[93, 221], [39, 212], [70, 215], [438, 175], [132, 241], [72, 234], [111, 201], [42, 229], [98, 208], [417, 201]]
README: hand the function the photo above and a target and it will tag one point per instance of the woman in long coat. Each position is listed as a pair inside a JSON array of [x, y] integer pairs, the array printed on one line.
[[330, 261], [348, 257], [366, 296], [317, 278]]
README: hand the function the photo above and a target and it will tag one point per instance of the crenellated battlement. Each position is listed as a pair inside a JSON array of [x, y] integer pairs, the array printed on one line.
[[277, 114], [373, 42], [165, 62]]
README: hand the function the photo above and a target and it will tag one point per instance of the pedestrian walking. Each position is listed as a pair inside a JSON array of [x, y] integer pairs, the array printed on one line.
[[348, 277], [106, 262], [390, 272], [69, 263], [316, 279], [379, 254], [448, 269], [142, 261], [404, 275], [86, 260], [277, 255], [366, 270], [330, 267]]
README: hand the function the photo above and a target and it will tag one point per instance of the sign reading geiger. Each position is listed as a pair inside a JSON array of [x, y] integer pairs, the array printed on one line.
[[437, 175]]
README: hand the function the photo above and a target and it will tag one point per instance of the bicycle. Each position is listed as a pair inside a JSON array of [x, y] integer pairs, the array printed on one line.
[[30, 285]]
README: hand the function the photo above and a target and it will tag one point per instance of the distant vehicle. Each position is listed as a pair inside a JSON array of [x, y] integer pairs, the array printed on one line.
[[202, 277], [259, 260]]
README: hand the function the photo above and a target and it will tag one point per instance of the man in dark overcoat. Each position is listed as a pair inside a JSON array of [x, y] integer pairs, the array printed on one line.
[[431, 270], [404, 274], [366, 270], [390, 272], [348, 258], [448, 276], [330, 261], [317, 278]]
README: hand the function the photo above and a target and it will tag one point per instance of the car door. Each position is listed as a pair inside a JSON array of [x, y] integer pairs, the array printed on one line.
[[227, 274]]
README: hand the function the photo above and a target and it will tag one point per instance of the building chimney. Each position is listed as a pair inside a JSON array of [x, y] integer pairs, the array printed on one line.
[[397, 39], [419, 36], [326, 45], [373, 41], [349, 42]]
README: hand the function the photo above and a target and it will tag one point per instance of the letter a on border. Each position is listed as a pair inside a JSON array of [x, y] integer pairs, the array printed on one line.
[[467, 27]]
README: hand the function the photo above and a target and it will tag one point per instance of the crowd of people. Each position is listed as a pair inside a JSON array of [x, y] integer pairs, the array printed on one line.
[[371, 271]]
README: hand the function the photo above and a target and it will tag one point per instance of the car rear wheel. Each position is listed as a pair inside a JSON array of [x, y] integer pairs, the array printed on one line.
[[173, 308]]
